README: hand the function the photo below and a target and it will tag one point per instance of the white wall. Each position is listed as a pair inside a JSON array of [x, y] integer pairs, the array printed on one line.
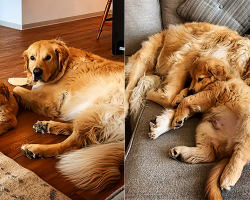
[[11, 12], [45, 10]]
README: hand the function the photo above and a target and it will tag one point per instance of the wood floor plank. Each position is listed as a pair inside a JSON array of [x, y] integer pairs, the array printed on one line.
[[79, 34]]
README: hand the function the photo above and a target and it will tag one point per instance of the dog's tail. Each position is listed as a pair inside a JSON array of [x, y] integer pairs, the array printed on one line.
[[212, 186], [94, 168], [142, 61]]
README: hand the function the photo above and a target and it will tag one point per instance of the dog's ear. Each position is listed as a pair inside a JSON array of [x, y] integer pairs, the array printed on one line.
[[62, 53], [218, 71], [26, 67], [26, 60], [4, 91]]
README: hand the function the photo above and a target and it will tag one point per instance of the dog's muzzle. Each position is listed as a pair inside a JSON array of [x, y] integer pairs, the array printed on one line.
[[37, 74]]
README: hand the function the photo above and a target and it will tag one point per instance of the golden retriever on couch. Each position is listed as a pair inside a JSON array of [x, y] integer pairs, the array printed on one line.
[[87, 92], [171, 53], [204, 71], [223, 133]]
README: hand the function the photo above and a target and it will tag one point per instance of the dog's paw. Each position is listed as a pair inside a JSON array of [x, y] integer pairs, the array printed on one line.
[[177, 100], [229, 177], [28, 151], [175, 154], [161, 124], [41, 127], [178, 122]]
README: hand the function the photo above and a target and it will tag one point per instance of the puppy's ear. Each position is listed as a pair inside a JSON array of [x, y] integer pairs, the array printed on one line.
[[4, 91], [219, 72]]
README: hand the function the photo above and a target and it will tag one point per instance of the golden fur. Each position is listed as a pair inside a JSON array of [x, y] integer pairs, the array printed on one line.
[[87, 92], [171, 53], [224, 132], [8, 109]]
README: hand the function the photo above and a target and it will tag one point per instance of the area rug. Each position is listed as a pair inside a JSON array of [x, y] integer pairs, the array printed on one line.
[[17, 182]]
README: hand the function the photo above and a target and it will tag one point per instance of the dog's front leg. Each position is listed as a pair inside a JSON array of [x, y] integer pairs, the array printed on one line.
[[197, 103], [37, 101]]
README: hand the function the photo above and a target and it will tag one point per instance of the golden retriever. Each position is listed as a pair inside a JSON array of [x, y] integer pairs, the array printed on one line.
[[204, 71], [170, 55], [8, 109], [223, 132], [87, 92]]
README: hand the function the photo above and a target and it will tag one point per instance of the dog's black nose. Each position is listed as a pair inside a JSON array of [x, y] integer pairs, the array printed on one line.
[[191, 92], [37, 72]]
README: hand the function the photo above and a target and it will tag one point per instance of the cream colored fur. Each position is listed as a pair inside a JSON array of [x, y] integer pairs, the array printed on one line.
[[87, 92], [102, 161]]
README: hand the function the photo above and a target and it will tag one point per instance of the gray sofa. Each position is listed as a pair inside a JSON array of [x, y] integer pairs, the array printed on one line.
[[149, 171]]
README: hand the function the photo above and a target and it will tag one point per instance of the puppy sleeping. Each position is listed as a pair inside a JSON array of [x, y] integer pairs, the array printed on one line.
[[224, 132], [204, 71], [8, 109]]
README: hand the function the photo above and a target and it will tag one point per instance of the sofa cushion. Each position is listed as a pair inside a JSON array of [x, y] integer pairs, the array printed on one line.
[[143, 18], [235, 14], [151, 174], [169, 14]]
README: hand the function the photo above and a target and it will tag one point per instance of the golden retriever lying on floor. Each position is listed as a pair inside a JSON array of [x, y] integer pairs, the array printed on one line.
[[87, 92], [224, 132], [8, 109], [170, 55]]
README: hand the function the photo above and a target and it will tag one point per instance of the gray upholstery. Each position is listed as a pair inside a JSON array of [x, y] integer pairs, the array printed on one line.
[[143, 18], [235, 14], [169, 14], [151, 174]]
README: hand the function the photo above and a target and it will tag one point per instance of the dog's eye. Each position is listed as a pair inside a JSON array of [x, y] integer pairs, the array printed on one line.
[[48, 57], [200, 79], [32, 58]]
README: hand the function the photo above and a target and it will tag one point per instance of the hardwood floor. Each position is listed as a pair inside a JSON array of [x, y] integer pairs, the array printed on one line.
[[80, 34]]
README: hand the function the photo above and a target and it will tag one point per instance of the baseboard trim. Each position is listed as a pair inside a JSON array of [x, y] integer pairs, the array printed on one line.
[[62, 20], [10, 25]]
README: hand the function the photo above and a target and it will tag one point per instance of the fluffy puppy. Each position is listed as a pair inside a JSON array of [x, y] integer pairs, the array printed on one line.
[[87, 92], [204, 71], [171, 53], [224, 132], [8, 109]]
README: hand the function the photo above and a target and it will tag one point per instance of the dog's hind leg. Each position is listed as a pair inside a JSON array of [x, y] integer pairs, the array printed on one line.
[[239, 159], [204, 150], [95, 125], [52, 127]]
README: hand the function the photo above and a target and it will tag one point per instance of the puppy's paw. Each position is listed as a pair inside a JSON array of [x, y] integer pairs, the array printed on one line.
[[178, 122], [161, 124], [229, 177], [29, 152], [177, 100], [41, 127], [175, 154]]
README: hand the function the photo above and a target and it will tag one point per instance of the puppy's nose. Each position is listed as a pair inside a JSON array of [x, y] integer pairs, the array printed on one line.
[[191, 92], [37, 72]]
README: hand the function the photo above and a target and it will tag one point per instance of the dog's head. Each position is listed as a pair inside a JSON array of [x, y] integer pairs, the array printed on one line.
[[4, 93], [205, 71], [46, 60]]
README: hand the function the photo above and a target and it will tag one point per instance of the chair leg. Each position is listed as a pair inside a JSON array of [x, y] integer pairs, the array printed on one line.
[[106, 11]]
